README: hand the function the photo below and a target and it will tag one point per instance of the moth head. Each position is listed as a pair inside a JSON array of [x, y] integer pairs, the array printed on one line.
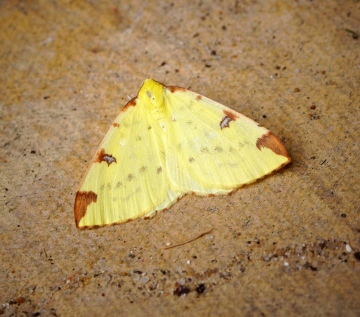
[[152, 94]]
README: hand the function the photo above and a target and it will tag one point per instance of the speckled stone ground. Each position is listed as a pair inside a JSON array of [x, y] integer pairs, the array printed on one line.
[[286, 245]]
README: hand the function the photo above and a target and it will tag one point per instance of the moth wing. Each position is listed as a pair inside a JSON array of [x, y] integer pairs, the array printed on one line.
[[212, 149], [127, 177]]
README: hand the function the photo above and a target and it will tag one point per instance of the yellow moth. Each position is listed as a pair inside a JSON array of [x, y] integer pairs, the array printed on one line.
[[168, 142]]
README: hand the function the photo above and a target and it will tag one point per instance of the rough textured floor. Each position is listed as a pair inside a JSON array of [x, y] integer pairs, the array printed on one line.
[[286, 245]]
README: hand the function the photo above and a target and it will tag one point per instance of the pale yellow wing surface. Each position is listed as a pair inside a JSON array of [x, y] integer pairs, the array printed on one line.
[[212, 149], [127, 177], [168, 142]]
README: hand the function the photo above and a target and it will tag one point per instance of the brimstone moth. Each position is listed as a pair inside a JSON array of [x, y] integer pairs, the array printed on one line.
[[168, 142]]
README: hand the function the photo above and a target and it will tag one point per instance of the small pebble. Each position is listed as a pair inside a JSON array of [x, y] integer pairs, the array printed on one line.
[[144, 279], [181, 281], [348, 248]]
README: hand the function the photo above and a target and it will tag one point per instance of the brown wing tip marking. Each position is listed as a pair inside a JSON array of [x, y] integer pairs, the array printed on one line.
[[198, 97], [131, 103], [273, 143], [102, 156], [229, 116], [176, 89], [116, 125], [82, 201]]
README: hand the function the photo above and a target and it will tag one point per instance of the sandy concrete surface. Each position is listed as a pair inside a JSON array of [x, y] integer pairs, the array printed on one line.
[[288, 245]]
